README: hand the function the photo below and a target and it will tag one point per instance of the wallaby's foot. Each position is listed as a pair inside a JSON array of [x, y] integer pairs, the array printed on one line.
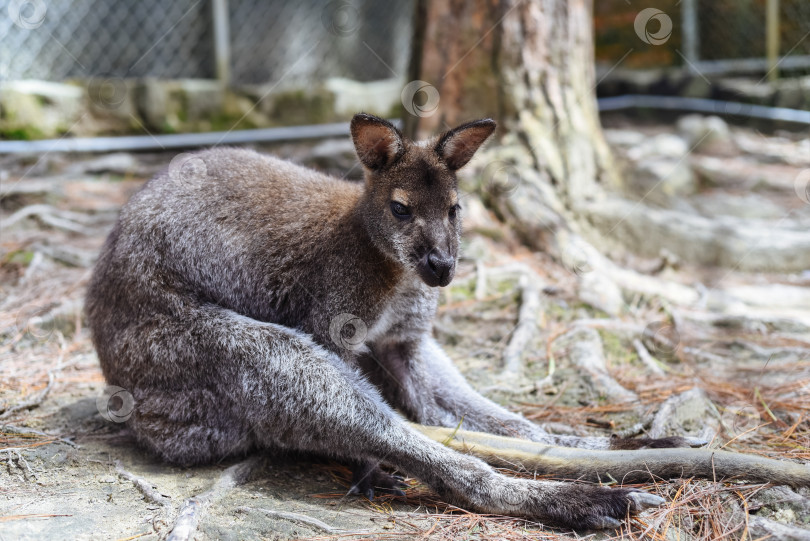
[[368, 478], [590, 507], [629, 444]]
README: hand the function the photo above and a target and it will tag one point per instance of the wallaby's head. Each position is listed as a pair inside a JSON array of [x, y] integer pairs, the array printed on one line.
[[411, 206]]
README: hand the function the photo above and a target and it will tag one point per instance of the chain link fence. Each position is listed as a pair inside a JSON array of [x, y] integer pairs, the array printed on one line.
[[270, 40], [711, 35]]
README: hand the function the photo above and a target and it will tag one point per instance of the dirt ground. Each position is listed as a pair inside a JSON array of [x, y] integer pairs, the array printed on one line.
[[737, 375]]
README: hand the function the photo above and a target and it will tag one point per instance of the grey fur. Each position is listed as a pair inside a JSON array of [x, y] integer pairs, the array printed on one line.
[[214, 303]]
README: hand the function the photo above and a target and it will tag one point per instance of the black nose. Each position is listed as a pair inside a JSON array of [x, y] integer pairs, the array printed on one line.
[[442, 266]]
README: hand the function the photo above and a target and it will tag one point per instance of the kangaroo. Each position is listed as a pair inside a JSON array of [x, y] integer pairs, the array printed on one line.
[[260, 305]]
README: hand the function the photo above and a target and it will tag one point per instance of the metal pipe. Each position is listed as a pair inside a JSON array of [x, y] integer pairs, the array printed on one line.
[[222, 40], [772, 38], [180, 140], [690, 33], [700, 105], [341, 129]]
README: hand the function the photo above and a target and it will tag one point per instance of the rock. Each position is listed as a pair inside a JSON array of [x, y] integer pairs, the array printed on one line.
[[701, 131], [152, 98], [180, 105], [238, 106], [375, 97], [113, 106], [35, 109], [195, 101]]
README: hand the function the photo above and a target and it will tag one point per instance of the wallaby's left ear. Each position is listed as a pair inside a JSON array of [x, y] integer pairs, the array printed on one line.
[[457, 146]]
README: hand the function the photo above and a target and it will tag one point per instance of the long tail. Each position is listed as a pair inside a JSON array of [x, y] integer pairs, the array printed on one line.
[[634, 466]]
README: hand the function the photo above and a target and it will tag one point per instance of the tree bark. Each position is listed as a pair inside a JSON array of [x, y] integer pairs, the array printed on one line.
[[530, 65]]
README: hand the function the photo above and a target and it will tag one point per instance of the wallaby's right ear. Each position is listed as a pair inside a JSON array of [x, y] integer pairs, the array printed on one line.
[[377, 142]]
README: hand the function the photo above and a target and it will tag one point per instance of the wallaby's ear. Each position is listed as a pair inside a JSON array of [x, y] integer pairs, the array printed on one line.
[[377, 142], [457, 146]]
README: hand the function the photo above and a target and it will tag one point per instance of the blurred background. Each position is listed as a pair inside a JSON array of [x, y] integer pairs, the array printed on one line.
[[165, 67]]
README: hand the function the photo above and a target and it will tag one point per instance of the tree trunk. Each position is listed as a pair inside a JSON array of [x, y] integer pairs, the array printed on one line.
[[530, 65]]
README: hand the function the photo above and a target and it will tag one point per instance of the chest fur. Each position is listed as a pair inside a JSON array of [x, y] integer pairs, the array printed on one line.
[[406, 315]]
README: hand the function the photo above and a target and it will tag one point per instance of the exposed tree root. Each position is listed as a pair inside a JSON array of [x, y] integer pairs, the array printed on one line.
[[144, 487], [66, 220], [641, 465], [530, 286], [294, 517], [586, 353], [193, 509], [652, 364]]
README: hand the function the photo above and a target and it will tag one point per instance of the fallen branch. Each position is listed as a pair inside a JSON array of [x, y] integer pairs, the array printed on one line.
[[58, 218], [67, 255], [144, 487], [9, 429], [193, 508], [17, 452], [294, 517], [761, 528]]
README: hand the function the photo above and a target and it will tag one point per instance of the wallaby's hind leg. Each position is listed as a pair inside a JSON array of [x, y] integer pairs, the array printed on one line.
[[189, 426], [288, 392]]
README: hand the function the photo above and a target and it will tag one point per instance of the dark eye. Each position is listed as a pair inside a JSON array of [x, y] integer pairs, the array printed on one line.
[[454, 211], [400, 211]]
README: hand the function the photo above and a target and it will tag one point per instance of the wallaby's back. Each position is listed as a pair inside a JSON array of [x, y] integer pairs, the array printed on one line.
[[229, 227]]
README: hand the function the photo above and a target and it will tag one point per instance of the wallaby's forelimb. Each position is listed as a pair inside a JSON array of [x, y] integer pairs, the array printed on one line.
[[642, 465]]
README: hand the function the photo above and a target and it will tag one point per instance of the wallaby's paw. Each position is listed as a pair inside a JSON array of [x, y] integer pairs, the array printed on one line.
[[584, 507], [630, 444], [368, 478], [609, 506], [644, 500]]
